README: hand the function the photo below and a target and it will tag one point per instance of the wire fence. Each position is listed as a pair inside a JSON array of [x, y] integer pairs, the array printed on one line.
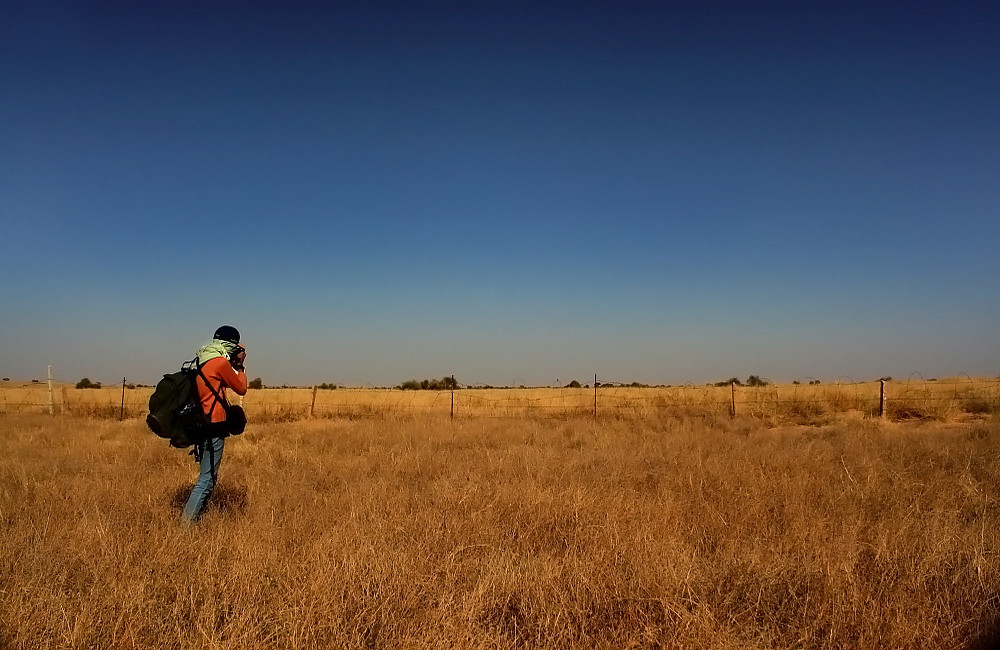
[[807, 403]]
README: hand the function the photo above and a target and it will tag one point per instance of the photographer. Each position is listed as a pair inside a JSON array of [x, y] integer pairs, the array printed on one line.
[[220, 368]]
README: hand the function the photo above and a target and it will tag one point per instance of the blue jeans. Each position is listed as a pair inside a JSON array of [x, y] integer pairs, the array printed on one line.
[[211, 456]]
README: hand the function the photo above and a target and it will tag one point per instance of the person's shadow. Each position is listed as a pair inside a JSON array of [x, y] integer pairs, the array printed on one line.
[[227, 499], [988, 638]]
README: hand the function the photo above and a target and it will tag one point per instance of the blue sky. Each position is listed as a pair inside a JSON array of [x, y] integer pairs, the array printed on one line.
[[510, 192]]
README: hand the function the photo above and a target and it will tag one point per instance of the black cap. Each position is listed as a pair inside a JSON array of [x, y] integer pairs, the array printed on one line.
[[227, 333]]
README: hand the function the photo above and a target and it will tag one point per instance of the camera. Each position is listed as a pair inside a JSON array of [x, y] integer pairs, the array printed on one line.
[[237, 357]]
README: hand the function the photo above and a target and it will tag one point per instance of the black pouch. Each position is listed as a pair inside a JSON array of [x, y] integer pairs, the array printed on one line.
[[236, 420]]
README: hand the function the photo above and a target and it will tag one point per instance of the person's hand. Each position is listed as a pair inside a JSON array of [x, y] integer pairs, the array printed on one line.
[[239, 362]]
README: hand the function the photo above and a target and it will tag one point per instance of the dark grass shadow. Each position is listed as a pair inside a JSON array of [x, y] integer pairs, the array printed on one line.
[[227, 499], [179, 497], [987, 633], [988, 637]]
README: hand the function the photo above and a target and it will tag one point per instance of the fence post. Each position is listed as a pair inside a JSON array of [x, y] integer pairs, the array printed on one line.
[[595, 395], [453, 397], [64, 409], [312, 406], [51, 409], [121, 415], [732, 405], [881, 398]]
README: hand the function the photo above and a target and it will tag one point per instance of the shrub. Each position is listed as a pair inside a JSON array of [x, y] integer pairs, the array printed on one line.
[[754, 380], [445, 383], [979, 406], [573, 384], [256, 384], [86, 383]]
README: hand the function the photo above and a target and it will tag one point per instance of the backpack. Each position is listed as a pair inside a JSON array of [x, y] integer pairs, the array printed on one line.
[[175, 410]]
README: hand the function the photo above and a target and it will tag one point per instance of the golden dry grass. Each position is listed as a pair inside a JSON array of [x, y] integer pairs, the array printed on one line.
[[502, 533], [775, 404]]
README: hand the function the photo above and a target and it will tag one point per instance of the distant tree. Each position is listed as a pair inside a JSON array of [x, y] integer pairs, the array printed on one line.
[[573, 384], [754, 380], [796, 382], [6, 378], [731, 380], [445, 383], [86, 383], [256, 384]]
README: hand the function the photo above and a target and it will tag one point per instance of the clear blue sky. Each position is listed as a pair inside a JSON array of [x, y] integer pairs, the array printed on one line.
[[510, 192]]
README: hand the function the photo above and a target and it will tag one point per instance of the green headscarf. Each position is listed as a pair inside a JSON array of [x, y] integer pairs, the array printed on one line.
[[215, 349]]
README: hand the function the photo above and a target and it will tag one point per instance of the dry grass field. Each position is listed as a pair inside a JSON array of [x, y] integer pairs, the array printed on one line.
[[946, 399], [426, 532]]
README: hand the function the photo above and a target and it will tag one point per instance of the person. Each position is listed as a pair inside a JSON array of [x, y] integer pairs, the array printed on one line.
[[221, 363]]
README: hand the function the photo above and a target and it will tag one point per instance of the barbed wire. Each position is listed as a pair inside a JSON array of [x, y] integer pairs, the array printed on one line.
[[973, 395]]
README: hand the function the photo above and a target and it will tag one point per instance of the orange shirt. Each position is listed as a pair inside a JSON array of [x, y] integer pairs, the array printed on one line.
[[221, 375]]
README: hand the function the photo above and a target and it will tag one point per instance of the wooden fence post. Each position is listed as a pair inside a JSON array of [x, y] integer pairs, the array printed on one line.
[[51, 409], [64, 407], [121, 415], [732, 406], [312, 406], [453, 397], [881, 398]]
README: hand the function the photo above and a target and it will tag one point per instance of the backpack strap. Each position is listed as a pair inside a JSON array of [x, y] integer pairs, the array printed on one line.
[[218, 397]]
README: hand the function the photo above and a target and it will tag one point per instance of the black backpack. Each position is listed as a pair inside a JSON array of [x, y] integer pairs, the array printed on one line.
[[175, 411]]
